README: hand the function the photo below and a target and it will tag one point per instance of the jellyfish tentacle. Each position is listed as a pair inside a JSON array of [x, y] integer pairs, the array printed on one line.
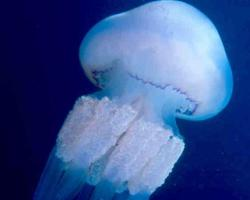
[[52, 172], [149, 178], [138, 146], [86, 192], [77, 156], [104, 190], [70, 183], [140, 143], [107, 124], [126, 144], [59, 181]]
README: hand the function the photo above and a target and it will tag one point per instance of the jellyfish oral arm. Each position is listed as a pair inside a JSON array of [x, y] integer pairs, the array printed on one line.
[[104, 144]]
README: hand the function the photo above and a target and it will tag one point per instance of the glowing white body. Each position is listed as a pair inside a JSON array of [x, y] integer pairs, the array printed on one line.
[[154, 63]]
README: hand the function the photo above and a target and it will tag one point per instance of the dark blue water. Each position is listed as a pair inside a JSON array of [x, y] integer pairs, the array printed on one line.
[[41, 78]]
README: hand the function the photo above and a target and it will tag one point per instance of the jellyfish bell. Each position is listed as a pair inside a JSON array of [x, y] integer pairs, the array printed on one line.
[[166, 43], [154, 63]]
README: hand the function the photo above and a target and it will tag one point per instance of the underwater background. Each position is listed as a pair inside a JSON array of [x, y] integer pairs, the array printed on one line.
[[41, 78]]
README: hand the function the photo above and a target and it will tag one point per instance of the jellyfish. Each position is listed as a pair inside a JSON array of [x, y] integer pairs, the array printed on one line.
[[155, 63]]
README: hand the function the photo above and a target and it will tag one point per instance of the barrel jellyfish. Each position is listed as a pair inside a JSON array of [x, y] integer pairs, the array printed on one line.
[[155, 63]]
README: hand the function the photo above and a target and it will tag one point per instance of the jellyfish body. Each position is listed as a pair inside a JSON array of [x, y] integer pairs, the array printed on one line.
[[154, 63]]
